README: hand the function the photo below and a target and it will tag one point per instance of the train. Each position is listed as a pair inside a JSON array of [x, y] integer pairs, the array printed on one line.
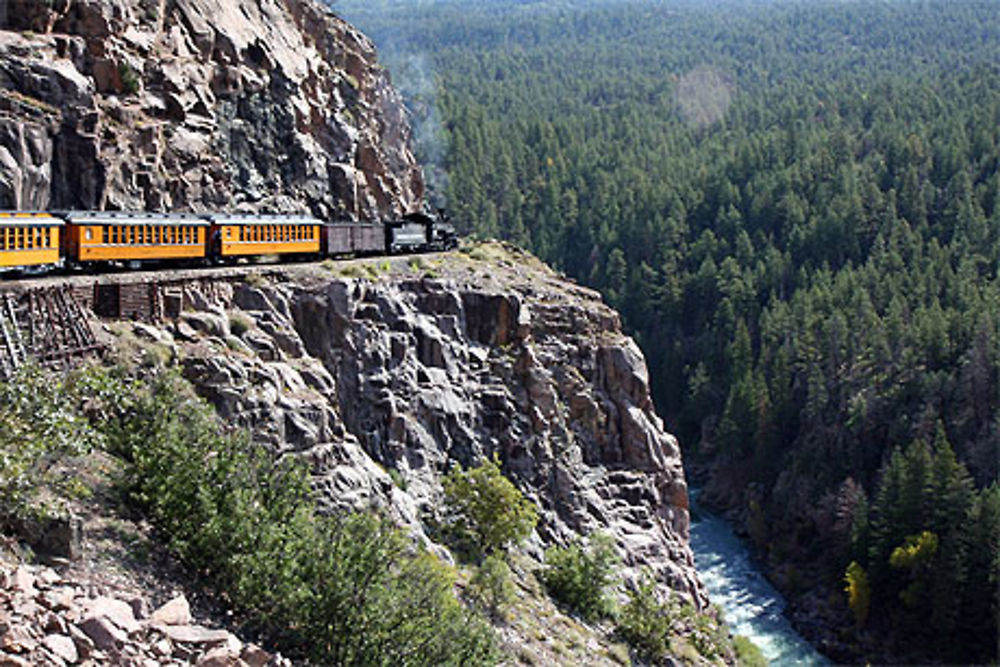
[[36, 242]]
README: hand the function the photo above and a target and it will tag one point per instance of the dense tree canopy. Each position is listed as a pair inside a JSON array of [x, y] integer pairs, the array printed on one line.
[[796, 206]]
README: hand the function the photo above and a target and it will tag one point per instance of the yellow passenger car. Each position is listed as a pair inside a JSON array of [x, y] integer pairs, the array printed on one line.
[[114, 236], [237, 235], [28, 239]]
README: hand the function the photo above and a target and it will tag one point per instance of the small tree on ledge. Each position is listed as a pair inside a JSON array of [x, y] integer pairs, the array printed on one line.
[[488, 509]]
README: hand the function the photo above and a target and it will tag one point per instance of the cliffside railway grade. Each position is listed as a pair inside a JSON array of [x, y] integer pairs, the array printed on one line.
[[38, 241], [134, 266]]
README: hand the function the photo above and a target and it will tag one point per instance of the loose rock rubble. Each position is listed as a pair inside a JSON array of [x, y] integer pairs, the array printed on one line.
[[47, 618]]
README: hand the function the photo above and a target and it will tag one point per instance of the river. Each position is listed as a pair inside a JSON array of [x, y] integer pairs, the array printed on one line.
[[751, 605]]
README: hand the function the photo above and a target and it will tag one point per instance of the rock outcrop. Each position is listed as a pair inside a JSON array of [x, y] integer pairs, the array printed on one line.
[[174, 105], [384, 383]]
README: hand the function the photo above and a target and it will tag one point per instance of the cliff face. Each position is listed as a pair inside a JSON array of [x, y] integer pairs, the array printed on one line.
[[403, 373], [168, 105]]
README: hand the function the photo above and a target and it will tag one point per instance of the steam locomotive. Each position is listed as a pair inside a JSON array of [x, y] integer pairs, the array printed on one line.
[[36, 241]]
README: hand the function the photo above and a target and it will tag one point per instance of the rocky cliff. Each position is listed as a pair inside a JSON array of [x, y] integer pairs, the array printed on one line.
[[167, 105], [385, 381]]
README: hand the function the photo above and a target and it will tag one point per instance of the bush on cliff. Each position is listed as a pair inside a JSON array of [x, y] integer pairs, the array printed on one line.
[[580, 577], [489, 512], [38, 431], [347, 589], [645, 623]]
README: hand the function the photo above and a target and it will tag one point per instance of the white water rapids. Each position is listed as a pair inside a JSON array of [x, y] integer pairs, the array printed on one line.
[[752, 607]]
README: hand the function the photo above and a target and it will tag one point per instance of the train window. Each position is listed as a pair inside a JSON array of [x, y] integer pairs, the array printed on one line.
[[105, 234], [88, 234]]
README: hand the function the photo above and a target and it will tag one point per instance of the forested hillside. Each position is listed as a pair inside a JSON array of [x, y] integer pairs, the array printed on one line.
[[796, 206]]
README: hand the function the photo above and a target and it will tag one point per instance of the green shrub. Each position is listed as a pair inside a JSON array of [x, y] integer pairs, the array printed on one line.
[[645, 622], [239, 324], [129, 77], [580, 577], [491, 589], [748, 654], [39, 430], [346, 590], [489, 513]]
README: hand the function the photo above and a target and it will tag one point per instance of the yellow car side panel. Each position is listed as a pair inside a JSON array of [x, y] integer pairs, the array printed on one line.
[[260, 241], [95, 250], [44, 242]]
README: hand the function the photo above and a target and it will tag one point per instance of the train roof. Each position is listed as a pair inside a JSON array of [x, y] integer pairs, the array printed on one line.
[[261, 219], [29, 218], [133, 218]]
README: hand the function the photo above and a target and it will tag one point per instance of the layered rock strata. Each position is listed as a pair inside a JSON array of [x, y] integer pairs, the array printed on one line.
[[166, 105], [385, 382]]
